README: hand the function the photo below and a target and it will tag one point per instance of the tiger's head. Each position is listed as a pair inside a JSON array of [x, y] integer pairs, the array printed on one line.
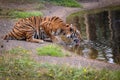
[[72, 33]]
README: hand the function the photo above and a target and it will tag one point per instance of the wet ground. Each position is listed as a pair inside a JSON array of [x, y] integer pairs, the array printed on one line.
[[96, 51]]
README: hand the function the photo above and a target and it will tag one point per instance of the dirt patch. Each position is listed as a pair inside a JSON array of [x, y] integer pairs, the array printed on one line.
[[59, 11], [77, 62], [31, 6]]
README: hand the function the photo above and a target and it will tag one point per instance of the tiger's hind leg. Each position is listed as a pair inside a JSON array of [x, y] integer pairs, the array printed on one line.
[[30, 38], [34, 40]]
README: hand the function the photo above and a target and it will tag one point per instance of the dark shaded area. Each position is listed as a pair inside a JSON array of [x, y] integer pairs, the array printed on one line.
[[116, 35], [88, 0], [90, 27]]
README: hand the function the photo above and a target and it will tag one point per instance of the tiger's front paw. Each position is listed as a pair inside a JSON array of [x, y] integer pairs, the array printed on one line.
[[55, 40], [41, 41]]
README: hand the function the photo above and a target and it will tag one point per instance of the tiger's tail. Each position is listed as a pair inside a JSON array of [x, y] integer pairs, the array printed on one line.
[[7, 37]]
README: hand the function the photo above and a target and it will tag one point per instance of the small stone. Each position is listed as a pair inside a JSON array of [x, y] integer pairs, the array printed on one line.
[[2, 46]]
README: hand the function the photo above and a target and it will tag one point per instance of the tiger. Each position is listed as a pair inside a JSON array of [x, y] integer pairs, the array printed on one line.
[[29, 29], [70, 32]]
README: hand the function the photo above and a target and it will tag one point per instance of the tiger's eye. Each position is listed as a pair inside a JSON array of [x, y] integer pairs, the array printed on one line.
[[1, 46], [64, 33]]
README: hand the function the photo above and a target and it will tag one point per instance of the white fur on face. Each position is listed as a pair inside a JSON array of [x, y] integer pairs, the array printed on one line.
[[68, 35], [78, 31], [71, 25]]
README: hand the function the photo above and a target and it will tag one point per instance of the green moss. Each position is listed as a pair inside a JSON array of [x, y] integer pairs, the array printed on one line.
[[50, 50], [12, 13], [67, 3], [19, 14], [18, 50]]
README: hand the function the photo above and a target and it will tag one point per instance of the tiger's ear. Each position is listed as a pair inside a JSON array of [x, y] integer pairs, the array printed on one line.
[[67, 25], [71, 25]]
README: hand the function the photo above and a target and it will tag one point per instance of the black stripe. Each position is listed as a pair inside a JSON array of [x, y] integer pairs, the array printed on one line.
[[18, 30], [40, 18], [30, 26], [60, 21], [47, 24], [30, 19], [45, 18], [25, 25], [12, 35], [21, 32], [29, 36], [52, 19], [35, 21], [16, 34]]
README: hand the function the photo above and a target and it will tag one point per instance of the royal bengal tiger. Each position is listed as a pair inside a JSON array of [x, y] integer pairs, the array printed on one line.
[[30, 29], [70, 32]]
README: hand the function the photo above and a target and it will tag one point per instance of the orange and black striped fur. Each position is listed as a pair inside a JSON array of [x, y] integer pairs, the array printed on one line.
[[69, 31], [55, 27], [29, 29]]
